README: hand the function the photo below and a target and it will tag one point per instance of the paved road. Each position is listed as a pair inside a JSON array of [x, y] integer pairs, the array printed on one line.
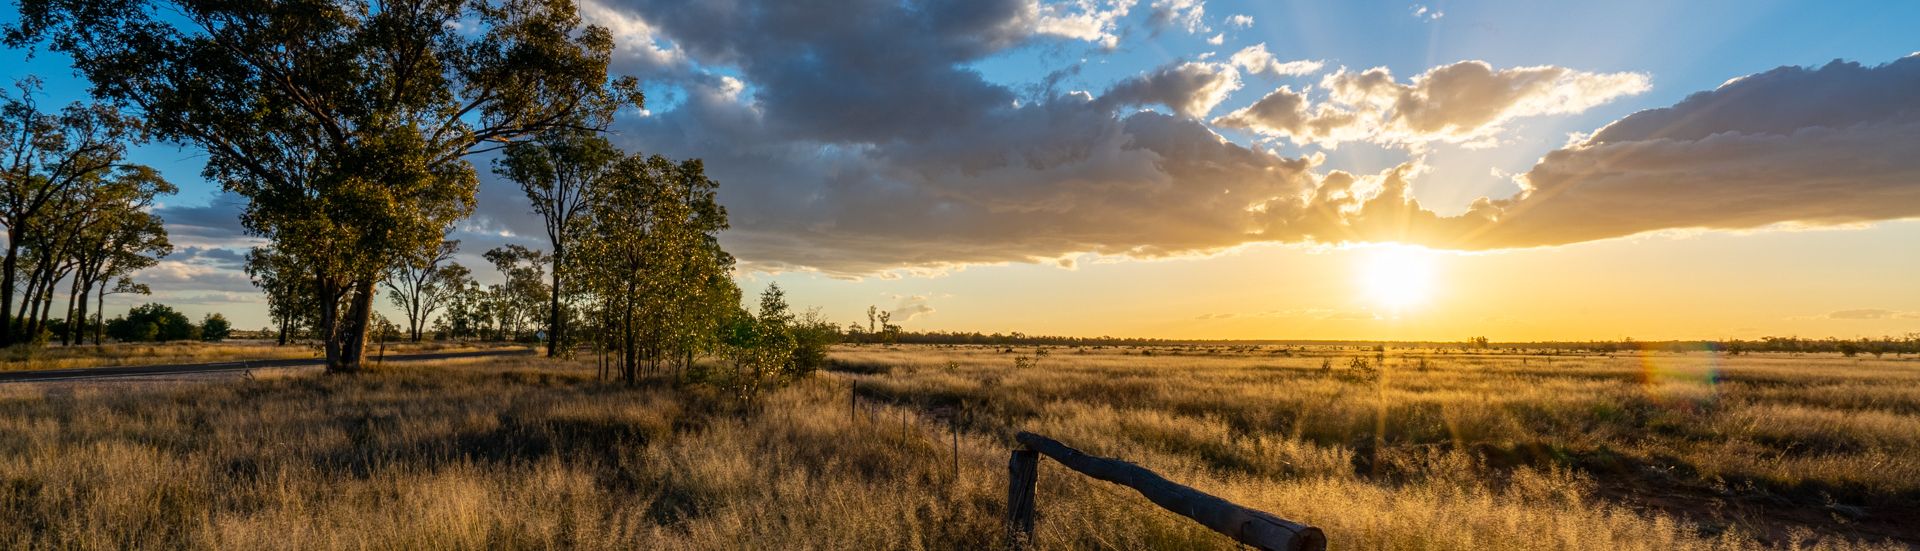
[[182, 369]]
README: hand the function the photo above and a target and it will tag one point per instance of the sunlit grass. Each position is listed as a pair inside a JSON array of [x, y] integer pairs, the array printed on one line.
[[1477, 452], [23, 358]]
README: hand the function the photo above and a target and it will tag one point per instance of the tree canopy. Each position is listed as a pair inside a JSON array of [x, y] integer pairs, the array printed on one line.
[[345, 124]]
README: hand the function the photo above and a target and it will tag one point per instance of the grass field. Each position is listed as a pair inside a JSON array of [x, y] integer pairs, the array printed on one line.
[[1432, 451], [25, 358]]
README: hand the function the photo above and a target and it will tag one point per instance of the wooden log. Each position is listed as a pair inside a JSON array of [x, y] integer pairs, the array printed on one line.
[[1023, 471], [1248, 526]]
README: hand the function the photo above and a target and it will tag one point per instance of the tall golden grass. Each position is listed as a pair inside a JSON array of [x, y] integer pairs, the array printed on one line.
[[1473, 452], [23, 358]]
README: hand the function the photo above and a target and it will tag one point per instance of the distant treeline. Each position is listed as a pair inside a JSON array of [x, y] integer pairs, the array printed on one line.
[[1908, 344]]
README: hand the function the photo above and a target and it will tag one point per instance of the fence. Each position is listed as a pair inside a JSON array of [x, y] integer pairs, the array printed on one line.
[[1248, 526]]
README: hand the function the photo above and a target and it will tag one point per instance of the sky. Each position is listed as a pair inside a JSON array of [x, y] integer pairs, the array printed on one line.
[[1257, 169]]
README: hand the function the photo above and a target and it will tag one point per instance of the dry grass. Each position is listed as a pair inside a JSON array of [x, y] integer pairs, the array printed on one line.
[[24, 358], [1472, 453]]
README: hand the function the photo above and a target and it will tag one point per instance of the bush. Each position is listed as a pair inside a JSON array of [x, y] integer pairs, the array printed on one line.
[[812, 336], [214, 328], [152, 322]]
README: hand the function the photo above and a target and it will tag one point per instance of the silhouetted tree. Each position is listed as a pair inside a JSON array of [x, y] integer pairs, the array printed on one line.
[[422, 283]]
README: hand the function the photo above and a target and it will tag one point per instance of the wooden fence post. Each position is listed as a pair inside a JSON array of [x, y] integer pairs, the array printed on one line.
[[1023, 472], [1249, 526]]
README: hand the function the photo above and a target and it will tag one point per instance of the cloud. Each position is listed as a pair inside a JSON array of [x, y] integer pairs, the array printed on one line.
[[1458, 103], [1084, 20], [1791, 146], [943, 168], [1240, 21], [179, 276], [1425, 12], [210, 256], [908, 307], [215, 224], [1872, 314], [1191, 89], [1185, 14], [852, 160], [1256, 60]]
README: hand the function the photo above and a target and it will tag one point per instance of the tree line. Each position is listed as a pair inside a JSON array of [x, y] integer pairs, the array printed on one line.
[[75, 211], [350, 130]]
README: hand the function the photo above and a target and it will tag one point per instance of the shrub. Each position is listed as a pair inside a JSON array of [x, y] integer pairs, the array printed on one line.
[[152, 322], [214, 328]]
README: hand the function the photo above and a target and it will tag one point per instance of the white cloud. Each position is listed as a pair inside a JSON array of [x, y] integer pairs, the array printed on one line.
[[909, 307], [1085, 20], [1256, 59], [1464, 102]]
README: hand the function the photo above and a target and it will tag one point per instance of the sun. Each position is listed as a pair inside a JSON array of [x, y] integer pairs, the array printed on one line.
[[1397, 278]]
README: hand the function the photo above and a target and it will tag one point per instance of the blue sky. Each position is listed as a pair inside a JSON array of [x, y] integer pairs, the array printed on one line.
[[849, 205]]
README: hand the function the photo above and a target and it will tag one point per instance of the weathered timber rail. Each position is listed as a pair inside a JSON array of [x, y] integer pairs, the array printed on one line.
[[1252, 527]]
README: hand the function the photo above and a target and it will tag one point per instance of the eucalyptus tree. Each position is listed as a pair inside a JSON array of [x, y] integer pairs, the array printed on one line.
[[557, 171], [46, 160], [517, 300], [421, 284], [114, 234], [288, 285], [464, 315], [653, 259], [346, 124]]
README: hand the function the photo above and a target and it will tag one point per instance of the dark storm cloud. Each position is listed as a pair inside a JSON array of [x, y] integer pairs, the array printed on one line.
[[866, 70], [860, 141], [216, 223]]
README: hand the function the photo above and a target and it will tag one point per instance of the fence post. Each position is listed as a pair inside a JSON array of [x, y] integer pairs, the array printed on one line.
[[1023, 471]]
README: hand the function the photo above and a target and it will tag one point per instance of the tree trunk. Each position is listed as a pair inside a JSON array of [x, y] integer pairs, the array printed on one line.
[[100, 315], [414, 316], [554, 321], [7, 280], [46, 306], [284, 321], [346, 335], [66, 336], [629, 359], [79, 330], [29, 303]]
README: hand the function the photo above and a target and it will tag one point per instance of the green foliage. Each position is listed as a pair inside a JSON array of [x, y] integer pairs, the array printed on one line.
[[813, 337], [652, 264], [346, 127], [152, 322], [559, 171], [214, 328], [72, 208]]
